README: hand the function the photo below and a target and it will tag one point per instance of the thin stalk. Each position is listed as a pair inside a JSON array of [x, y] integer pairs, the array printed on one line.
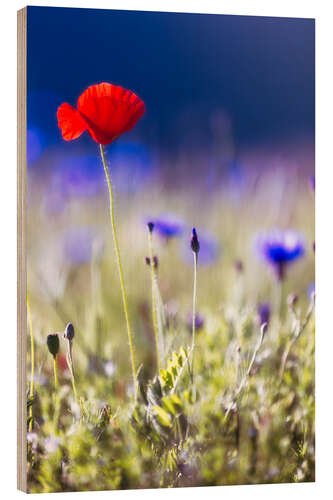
[[194, 302], [248, 371], [280, 290], [71, 368], [120, 269], [32, 357], [153, 298], [300, 327], [55, 371], [56, 396]]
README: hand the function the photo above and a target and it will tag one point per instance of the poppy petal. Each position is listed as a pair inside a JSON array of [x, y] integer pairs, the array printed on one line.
[[70, 121], [109, 110]]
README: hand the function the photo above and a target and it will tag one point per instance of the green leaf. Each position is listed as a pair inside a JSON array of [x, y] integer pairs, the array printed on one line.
[[163, 417], [168, 405], [167, 378]]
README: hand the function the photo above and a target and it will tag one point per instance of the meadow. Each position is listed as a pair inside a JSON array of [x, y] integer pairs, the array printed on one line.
[[238, 407]]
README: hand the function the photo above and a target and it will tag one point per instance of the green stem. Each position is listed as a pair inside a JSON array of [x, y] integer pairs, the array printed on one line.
[[55, 370], [120, 270], [56, 397], [32, 362], [195, 261], [300, 327], [71, 369], [153, 294], [248, 371]]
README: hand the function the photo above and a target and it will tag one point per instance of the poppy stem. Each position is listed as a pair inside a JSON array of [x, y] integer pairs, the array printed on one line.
[[31, 394], [154, 302], [120, 269]]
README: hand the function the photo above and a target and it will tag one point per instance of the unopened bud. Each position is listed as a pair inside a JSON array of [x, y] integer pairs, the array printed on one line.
[[53, 343], [155, 261], [195, 245], [150, 226], [69, 332]]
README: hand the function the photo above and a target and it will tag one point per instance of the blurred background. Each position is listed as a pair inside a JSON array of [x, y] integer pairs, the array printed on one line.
[[214, 86]]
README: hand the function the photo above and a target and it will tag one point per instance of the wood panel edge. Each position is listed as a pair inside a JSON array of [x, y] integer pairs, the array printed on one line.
[[21, 248]]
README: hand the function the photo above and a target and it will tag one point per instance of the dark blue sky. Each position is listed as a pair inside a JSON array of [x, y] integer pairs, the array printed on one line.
[[258, 69]]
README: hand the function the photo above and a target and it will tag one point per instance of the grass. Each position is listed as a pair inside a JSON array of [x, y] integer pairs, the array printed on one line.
[[244, 420]]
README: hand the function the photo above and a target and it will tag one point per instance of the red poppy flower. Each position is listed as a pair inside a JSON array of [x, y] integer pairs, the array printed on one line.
[[104, 110]]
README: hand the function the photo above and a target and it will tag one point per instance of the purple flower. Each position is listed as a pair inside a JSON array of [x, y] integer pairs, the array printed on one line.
[[80, 243], [209, 250], [168, 226], [280, 248], [264, 312], [199, 322]]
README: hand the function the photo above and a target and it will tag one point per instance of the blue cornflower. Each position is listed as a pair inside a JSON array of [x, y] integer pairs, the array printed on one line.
[[280, 248], [168, 226]]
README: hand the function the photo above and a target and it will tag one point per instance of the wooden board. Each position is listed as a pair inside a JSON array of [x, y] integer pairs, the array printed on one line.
[[21, 248]]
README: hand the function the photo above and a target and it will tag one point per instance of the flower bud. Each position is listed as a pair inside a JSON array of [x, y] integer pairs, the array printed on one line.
[[150, 226], [53, 343], [69, 332], [195, 245], [155, 261]]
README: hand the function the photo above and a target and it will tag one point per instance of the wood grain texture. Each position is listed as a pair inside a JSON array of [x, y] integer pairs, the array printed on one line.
[[21, 249]]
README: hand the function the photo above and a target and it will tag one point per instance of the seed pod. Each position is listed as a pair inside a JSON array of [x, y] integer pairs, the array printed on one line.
[[69, 332], [53, 343]]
